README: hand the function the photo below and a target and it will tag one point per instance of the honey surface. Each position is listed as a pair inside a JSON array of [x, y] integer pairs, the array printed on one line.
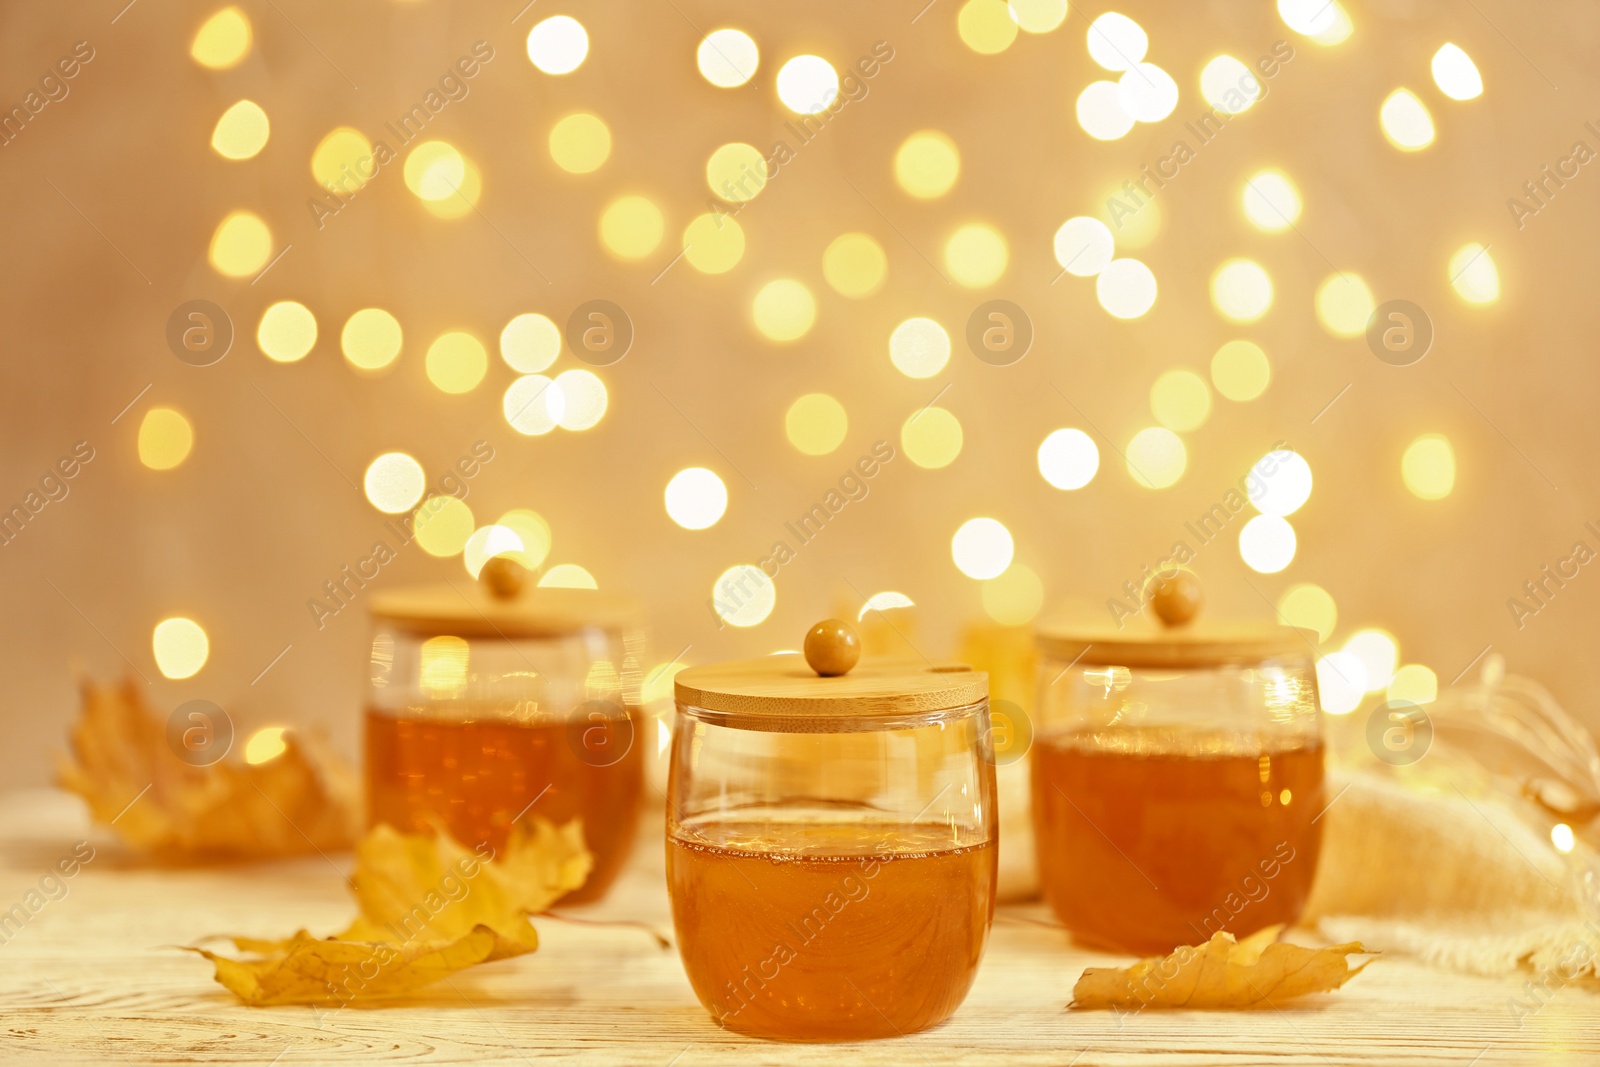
[[1150, 839], [823, 930], [480, 775]]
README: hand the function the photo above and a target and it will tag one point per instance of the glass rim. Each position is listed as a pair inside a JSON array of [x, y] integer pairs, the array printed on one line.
[[891, 719]]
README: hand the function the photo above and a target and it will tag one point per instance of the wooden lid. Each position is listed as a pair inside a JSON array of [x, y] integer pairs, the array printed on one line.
[[783, 693], [468, 610], [1175, 641], [1141, 643]]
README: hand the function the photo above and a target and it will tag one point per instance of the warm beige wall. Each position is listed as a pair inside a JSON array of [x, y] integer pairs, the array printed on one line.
[[246, 531]]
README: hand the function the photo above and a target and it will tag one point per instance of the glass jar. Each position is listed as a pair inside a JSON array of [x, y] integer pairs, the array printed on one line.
[[1177, 779], [485, 709], [831, 844]]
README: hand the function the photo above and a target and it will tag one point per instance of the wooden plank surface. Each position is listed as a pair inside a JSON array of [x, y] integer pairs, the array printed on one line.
[[93, 977]]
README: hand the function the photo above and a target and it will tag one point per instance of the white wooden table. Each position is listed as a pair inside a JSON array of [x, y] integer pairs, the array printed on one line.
[[93, 978]]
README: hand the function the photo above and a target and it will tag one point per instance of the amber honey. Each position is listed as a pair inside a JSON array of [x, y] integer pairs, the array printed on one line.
[[479, 773], [1149, 838], [825, 931]]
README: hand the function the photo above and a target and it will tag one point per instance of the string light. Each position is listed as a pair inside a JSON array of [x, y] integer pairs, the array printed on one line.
[[727, 58], [533, 405], [631, 227], [1414, 684], [1378, 653], [583, 399], [1126, 288], [371, 339], [394, 482], [855, 265], [180, 646], [223, 40], [696, 498], [982, 548], [567, 576], [1456, 74], [1267, 544], [784, 310], [1015, 597], [486, 543], [1428, 467], [1270, 201], [580, 143], [743, 596], [1229, 86], [1084, 246], [1180, 400], [442, 525], [456, 362], [1341, 682], [265, 745], [1241, 289], [558, 45], [165, 438], [1310, 607], [1068, 459], [927, 164], [919, 348], [1240, 370], [241, 245], [1100, 112], [287, 332], [1473, 275], [1405, 121], [242, 131], [976, 255], [1345, 304], [1116, 42], [1156, 458], [713, 243], [736, 172], [816, 424], [534, 533], [986, 26], [530, 342], [807, 84], [1038, 16], [342, 160], [1280, 483], [932, 438]]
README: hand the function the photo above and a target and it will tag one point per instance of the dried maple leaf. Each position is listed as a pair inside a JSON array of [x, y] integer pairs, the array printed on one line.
[[1222, 973], [429, 908], [308, 970], [417, 886], [124, 768]]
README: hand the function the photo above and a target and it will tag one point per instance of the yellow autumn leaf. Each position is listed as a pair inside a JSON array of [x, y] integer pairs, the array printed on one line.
[[429, 907], [1222, 973], [420, 886], [307, 970], [124, 766]]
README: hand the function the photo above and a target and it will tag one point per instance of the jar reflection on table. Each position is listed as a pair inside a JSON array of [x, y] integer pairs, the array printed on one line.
[[832, 877], [1173, 802], [477, 733]]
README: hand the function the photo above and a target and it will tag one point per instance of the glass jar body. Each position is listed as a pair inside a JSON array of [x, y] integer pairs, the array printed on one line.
[[477, 733], [831, 886], [1171, 804]]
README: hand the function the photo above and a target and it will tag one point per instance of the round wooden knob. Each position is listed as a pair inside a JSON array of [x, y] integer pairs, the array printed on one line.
[[504, 577], [1176, 597], [832, 647]]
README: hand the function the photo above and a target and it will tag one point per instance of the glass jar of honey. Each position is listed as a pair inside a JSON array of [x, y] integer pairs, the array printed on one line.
[[1177, 776], [485, 708], [831, 844]]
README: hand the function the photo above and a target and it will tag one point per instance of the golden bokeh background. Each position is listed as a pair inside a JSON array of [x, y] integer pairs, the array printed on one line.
[[400, 349]]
